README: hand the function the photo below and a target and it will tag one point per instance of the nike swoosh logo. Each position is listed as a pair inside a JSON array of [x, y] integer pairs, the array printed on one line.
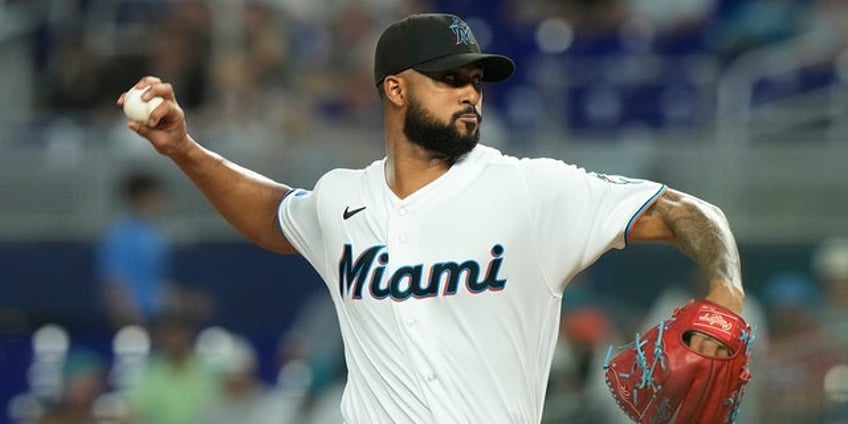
[[349, 213]]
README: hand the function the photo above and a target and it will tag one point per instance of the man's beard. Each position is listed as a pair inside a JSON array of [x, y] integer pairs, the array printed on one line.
[[444, 141]]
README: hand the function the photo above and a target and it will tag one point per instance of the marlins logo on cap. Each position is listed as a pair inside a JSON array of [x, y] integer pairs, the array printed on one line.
[[434, 42], [462, 32]]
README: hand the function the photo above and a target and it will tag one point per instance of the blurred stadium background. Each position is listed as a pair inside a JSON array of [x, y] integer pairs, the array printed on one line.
[[741, 102]]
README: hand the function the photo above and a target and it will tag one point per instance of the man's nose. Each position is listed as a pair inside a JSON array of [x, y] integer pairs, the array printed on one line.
[[470, 94]]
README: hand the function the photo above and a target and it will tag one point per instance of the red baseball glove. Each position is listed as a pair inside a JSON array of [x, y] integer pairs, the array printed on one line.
[[660, 379]]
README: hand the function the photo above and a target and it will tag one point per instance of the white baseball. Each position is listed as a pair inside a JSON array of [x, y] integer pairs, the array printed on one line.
[[137, 109]]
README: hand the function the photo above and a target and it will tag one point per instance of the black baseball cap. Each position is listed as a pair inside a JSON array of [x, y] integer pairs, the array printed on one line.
[[433, 42]]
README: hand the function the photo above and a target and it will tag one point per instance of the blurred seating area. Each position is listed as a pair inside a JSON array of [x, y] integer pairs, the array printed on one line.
[[584, 66], [285, 87], [266, 349], [174, 372]]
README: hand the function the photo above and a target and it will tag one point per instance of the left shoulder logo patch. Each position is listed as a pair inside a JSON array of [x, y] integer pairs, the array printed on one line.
[[615, 179]]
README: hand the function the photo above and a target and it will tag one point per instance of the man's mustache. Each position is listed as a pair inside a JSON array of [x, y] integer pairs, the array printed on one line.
[[471, 110]]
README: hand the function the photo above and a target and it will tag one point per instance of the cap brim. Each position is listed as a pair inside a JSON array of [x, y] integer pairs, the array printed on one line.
[[495, 67]]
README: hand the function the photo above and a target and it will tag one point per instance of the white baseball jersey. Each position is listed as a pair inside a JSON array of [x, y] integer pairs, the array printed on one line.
[[449, 299]]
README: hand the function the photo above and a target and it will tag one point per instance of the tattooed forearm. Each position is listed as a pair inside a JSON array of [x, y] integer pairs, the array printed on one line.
[[702, 232]]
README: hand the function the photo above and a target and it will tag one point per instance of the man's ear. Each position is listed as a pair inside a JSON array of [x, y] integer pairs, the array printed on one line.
[[394, 90]]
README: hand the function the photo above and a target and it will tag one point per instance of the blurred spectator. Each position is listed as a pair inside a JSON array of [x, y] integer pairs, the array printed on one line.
[[241, 393], [253, 75], [134, 256], [672, 16], [83, 382], [674, 25], [830, 264], [792, 370], [792, 301], [181, 50], [825, 29], [135, 259], [312, 374], [177, 387], [268, 44], [577, 391], [73, 76], [354, 36], [590, 18], [756, 23]]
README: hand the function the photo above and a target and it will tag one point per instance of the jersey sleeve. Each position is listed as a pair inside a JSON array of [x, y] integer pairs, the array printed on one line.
[[299, 222], [580, 215]]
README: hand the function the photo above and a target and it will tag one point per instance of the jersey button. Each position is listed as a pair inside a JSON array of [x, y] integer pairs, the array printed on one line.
[[430, 377], [402, 211], [410, 322], [401, 239]]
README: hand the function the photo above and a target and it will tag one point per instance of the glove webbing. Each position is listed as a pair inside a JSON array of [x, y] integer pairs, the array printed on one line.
[[747, 337], [735, 398], [642, 360]]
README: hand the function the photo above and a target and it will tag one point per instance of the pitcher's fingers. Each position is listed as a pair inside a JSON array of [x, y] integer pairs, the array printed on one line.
[[163, 90], [135, 126], [708, 346], [121, 98], [160, 112], [698, 344], [147, 80]]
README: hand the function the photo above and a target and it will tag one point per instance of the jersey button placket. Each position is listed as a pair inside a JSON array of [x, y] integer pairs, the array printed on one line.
[[402, 214], [403, 234], [404, 227]]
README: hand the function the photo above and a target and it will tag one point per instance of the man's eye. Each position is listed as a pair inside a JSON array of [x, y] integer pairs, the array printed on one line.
[[454, 79]]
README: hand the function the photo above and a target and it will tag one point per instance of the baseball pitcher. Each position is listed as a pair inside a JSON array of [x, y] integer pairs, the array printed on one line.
[[447, 259]]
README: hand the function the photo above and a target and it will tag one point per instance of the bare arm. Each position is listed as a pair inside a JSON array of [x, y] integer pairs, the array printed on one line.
[[247, 200], [701, 231]]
